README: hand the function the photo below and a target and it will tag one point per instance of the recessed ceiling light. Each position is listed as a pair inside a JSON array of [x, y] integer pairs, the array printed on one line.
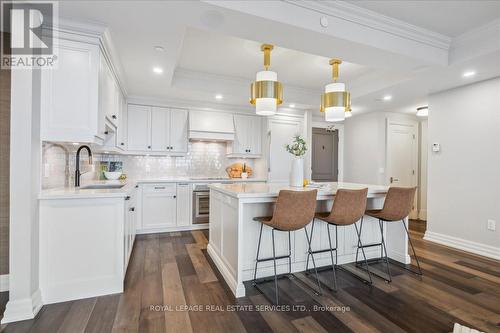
[[292, 105], [469, 74], [75, 143], [159, 48], [158, 70], [219, 96], [387, 98], [423, 111]]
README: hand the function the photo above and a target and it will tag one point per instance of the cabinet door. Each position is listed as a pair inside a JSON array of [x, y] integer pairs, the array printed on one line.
[[160, 123], [184, 197], [255, 136], [110, 93], [178, 130], [241, 129], [121, 130], [70, 94], [159, 206], [138, 127]]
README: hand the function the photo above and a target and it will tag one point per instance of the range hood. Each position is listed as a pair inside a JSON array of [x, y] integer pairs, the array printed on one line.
[[211, 126]]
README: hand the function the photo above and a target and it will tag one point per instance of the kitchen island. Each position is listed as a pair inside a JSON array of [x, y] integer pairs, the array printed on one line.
[[234, 234]]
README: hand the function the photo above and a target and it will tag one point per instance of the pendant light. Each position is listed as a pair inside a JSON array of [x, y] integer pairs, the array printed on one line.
[[348, 113], [336, 100], [266, 93]]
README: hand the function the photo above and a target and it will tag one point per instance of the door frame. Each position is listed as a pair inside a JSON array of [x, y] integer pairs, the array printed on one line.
[[413, 123], [340, 158], [335, 151]]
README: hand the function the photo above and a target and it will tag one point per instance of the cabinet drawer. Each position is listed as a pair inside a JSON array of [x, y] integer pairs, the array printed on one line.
[[160, 188]]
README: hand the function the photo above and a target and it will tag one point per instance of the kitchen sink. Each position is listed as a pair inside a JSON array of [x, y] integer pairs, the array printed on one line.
[[101, 186]]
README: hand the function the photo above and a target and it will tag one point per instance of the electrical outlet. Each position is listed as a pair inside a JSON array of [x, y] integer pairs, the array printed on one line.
[[492, 224]]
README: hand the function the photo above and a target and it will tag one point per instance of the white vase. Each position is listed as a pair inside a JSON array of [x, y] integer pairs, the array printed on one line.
[[297, 172]]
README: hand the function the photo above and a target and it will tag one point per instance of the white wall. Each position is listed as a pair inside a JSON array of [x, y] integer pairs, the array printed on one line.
[[464, 177], [422, 183], [365, 147]]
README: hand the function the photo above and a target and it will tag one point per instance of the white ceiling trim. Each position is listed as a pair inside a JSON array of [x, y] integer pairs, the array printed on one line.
[[371, 19], [482, 40]]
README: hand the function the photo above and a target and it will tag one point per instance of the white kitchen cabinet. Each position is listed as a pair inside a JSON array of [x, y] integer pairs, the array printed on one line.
[[159, 206], [160, 125], [178, 131], [248, 137], [155, 129], [69, 95], [121, 130], [184, 204], [138, 127], [129, 227]]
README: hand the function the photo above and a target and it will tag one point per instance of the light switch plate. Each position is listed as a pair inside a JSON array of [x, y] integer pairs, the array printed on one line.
[[436, 147], [492, 224]]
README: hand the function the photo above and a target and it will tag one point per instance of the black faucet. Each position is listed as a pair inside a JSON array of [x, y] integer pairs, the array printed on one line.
[[77, 171]]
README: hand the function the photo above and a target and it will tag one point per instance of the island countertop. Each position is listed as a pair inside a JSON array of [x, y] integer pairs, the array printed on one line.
[[271, 190]]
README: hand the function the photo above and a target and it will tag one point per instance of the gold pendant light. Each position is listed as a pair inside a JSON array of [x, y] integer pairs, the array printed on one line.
[[336, 101], [266, 93]]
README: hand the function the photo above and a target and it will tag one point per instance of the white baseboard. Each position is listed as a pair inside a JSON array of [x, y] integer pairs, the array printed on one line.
[[463, 244], [172, 229], [4, 282], [422, 214], [23, 309]]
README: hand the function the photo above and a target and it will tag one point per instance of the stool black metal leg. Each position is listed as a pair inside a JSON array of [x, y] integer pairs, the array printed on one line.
[[308, 252], [313, 261], [274, 261], [257, 257], [331, 256], [289, 256], [336, 245], [363, 250], [360, 230], [384, 249], [413, 249]]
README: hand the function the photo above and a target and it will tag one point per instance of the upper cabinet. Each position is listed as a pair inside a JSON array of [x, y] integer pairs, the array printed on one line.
[[248, 137], [70, 95], [157, 130], [80, 98]]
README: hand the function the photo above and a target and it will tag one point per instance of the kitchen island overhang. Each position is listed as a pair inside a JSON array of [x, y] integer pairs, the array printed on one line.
[[234, 235]]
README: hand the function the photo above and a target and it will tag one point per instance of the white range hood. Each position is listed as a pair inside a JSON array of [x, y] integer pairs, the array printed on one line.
[[211, 126]]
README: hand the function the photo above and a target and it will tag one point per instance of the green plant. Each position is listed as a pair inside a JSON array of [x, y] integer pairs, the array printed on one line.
[[298, 146]]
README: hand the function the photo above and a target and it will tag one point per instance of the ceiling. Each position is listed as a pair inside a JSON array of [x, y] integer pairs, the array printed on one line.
[[451, 17], [213, 47]]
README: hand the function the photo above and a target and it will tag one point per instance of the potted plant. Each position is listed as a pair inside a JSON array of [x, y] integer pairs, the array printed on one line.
[[298, 149], [244, 173]]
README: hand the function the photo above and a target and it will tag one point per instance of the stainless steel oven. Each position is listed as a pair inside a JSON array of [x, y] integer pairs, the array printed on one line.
[[201, 203]]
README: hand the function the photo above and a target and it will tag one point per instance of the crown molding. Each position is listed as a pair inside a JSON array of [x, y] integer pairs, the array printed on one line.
[[370, 19]]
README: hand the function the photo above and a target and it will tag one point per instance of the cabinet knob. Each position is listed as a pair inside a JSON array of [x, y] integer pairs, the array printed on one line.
[[149, 147], [132, 209], [113, 116], [106, 132], [122, 143], [175, 196], [127, 197]]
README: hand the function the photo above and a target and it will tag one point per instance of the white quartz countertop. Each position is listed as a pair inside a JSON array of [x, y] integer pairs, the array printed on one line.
[[129, 184], [270, 190]]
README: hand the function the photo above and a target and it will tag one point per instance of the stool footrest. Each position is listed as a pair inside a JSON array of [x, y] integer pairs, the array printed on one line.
[[277, 257], [321, 251], [369, 245]]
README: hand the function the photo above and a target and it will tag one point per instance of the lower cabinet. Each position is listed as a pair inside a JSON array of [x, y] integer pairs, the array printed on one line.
[[159, 206], [184, 210], [129, 227]]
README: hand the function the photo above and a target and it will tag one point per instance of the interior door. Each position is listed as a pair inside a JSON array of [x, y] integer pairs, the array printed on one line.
[[138, 127], [402, 155], [281, 132], [178, 130], [324, 155], [160, 124]]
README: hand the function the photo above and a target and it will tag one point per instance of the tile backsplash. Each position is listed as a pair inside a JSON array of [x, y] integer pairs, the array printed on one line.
[[204, 159]]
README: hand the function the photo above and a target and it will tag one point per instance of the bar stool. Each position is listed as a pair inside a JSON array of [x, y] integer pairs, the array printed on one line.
[[397, 206], [348, 208], [293, 211]]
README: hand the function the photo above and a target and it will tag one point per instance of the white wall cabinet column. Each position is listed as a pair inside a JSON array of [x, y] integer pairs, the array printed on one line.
[[184, 204], [247, 141], [178, 129], [160, 124], [138, 127]]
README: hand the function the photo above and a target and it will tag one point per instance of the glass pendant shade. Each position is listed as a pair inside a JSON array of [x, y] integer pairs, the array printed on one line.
[[266, 106], [335, 113]]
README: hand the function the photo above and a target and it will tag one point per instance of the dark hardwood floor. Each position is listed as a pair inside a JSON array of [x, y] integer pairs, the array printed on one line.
[[170, 271]]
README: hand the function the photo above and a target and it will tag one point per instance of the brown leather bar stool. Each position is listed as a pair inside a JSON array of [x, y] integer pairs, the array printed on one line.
[[348, 208], [397, 206], [293, 211]]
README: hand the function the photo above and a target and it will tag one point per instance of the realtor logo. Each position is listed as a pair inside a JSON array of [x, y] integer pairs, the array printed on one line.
[[31, 26]]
